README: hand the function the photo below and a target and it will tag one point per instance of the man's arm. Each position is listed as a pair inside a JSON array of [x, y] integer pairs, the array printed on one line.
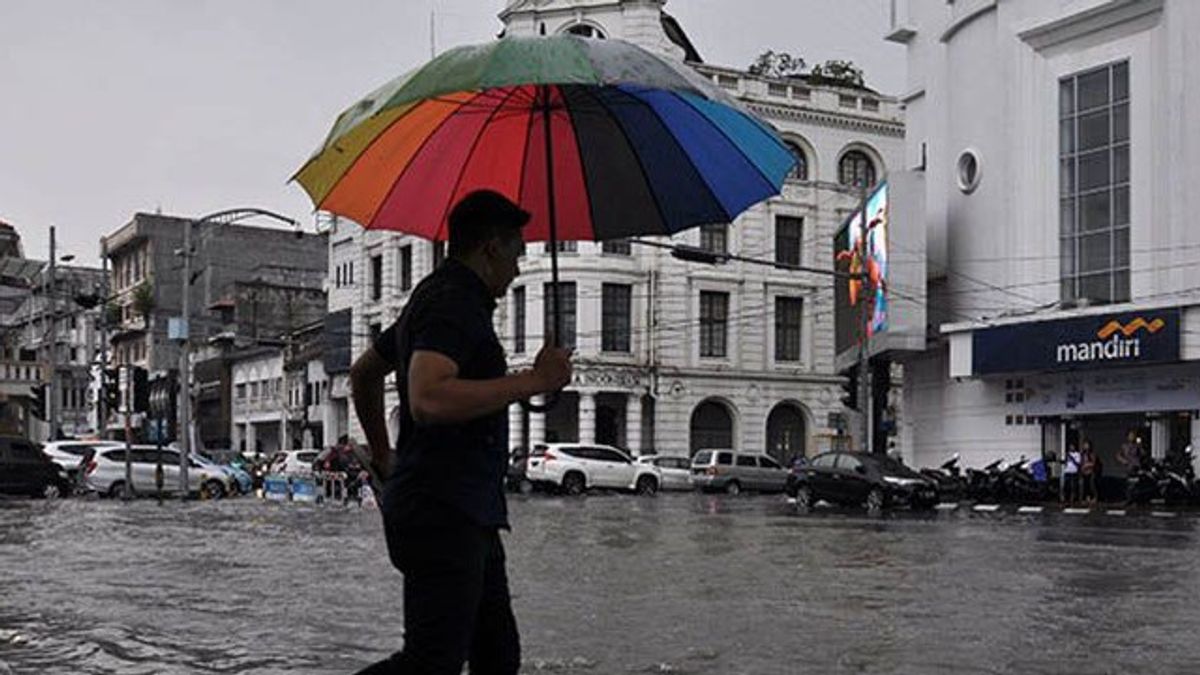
[[437, 396], [367, 377]]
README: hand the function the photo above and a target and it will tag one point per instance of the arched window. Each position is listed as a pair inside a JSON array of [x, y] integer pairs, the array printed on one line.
[[856, 168], [586, 30], [712, 427], [800, 171], [786, 434]]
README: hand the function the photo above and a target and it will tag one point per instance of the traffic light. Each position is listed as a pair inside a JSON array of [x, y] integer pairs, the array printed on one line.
[[850, 387], [140, 381], [110, 389], [37, 400]]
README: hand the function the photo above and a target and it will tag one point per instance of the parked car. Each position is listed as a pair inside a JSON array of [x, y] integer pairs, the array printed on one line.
[[26, 470], [70, 454], [574, 468], [732, 472], [853, 478], [106, 473], [238, 481], [294, 462], [516, 479], [676, 470]]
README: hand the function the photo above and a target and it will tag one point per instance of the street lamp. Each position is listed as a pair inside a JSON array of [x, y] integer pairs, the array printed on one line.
[[183, 332]]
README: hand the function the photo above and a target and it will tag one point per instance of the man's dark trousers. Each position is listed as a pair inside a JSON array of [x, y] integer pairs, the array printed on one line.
[[456, 603]]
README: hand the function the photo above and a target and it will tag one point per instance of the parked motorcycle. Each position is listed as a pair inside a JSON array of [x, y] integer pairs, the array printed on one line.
[[1177, 478], [1142, 484], [983, 485], [951, 484]]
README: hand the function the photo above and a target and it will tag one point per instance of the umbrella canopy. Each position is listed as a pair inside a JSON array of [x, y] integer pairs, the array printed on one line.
[[598, 139]]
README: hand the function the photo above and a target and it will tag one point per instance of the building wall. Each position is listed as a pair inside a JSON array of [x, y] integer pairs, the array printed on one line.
[[984, 76]]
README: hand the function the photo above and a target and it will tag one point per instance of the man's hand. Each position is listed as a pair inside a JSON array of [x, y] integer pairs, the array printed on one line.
[[552, 368]]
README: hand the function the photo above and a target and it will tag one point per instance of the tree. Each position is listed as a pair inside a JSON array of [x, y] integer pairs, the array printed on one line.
[[837, 72], [143, 301], [776, 64]]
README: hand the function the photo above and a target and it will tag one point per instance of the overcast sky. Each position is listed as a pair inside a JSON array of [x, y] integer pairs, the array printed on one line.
[[194, 106]]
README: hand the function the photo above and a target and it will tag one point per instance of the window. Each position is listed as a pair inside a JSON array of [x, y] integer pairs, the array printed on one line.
[[725, 458], [768, 463], [439, 253], [615, 317], [856, 169], [788, 237], [714, 238], [566, 313], [714, 312], [746, 460], [519, 320], [824, 461], [617, 247], [849, 463], [377, 277], [847, 101], [788, 312], [801, 93], [350, 267], [563, 246], [800, 171], [584, 30], [376, 329], [780, 90], [241, 392], [1094, 184], [870, 104], [727, 82], [406, 267]]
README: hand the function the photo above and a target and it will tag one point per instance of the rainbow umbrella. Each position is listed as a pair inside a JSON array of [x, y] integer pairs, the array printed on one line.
[[597, 139]]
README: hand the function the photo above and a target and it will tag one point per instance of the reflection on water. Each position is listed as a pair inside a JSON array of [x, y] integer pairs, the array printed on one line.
[[606, 584]]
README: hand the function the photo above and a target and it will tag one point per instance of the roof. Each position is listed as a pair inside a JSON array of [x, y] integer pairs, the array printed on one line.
[[676, 34]]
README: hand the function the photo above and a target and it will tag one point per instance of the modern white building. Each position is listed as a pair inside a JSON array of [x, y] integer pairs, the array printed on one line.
[[673, 356], [1059, 142]]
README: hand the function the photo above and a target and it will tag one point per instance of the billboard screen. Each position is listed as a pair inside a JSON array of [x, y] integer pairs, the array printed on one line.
[[861, 247]]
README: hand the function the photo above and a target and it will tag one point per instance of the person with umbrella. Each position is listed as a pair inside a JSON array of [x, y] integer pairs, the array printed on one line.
[[556, 138], [443, 501]]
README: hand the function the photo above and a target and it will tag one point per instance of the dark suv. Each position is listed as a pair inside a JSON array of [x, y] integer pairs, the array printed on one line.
[[26, 470], [853, 478]]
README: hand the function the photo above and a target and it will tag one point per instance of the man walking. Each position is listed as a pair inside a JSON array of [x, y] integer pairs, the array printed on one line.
[[443, 495]]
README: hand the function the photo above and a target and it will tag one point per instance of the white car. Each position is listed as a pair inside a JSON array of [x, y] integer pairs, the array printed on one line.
[[576, 467], [68, 454], [106, 473], [676, 470], [294, 462]]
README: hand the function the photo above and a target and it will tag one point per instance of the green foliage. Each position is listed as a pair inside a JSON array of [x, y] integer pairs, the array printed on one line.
[[838, 73], [143, 300], [776, 64]]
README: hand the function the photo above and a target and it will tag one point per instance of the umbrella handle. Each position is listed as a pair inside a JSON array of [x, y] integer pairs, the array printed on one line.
[[551, 401]]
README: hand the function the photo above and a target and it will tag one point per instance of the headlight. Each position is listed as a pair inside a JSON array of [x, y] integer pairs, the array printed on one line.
[[902, 482]]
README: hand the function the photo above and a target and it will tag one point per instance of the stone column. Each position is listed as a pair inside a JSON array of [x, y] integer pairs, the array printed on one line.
[[285, 434], [515, 432], [633, 422], [1160, 436], [537, 424], [251, 438], [587, 417]]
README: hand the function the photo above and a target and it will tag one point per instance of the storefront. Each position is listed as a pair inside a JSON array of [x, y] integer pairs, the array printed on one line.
[[1095, 378]]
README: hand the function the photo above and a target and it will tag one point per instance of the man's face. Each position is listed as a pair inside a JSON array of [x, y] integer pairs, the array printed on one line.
[[503, 253]]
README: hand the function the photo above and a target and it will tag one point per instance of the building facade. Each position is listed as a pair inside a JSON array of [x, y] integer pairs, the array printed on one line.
[[1058, 141], [673, 356]]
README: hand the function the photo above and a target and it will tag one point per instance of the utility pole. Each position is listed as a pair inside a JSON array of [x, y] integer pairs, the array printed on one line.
[[185, 376], [101, 411], [48, 289], [864, 354]]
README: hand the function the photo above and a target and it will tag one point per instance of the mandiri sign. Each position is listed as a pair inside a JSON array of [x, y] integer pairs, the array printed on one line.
[[1136, 338]]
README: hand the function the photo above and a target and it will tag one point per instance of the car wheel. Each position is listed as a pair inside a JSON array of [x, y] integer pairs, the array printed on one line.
[[116, 490], [804, 498], [213, 490], [525, 487], [646, 485], [733, 488], [51, 491], [875, 500], [573, 483]]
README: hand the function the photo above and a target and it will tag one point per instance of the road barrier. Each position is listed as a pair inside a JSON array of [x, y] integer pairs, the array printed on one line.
[[319, 487]]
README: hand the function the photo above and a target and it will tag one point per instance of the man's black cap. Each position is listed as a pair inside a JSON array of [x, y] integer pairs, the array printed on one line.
[[486, 207]]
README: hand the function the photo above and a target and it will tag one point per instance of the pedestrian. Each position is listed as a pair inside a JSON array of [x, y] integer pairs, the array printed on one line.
[[1071, 485], [1130, 455], [443, 497], [1089, 467]]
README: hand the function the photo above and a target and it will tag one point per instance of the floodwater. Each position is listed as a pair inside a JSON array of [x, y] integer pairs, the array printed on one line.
[[681, 583]]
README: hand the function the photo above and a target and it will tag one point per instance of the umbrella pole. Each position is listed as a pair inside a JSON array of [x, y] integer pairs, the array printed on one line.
[[555, 338]]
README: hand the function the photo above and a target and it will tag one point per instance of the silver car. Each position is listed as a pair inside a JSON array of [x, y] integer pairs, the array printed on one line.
[[106, 473], [676, 470], [731, 472]]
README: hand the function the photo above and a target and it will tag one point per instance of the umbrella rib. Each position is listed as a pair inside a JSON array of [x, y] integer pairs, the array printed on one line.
[[462, 171], [636, 157]]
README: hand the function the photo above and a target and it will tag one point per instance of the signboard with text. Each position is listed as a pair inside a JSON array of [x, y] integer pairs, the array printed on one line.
[[1090, 342]]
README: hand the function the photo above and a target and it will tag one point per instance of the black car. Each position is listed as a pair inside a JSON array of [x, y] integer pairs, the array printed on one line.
[[26, 470], [854, 478]]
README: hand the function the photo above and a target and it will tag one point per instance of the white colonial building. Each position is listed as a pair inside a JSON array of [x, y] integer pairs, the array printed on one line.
[[672, 356], [1060, 140]]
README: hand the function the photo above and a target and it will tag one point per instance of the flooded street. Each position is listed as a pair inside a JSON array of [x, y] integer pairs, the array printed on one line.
[[681, 583]]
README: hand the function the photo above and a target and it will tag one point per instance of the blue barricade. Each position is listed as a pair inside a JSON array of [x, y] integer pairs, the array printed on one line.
[[304, 490], [275, 488]]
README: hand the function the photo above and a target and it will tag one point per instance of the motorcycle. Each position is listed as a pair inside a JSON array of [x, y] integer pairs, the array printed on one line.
[[1142, 484], [984, 484], [951, 485], [1177, 479]]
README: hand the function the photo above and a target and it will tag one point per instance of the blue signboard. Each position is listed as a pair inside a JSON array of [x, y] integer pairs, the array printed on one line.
[[1091, 342]]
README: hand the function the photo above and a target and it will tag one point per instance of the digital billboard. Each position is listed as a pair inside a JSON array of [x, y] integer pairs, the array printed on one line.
[[861, 252]]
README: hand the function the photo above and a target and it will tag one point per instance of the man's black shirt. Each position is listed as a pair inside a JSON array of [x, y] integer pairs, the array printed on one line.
[[457, 465]]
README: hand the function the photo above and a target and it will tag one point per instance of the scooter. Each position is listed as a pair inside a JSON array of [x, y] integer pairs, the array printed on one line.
[[1142, 484], [950, 483], [983, 484], [1177, 479]]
